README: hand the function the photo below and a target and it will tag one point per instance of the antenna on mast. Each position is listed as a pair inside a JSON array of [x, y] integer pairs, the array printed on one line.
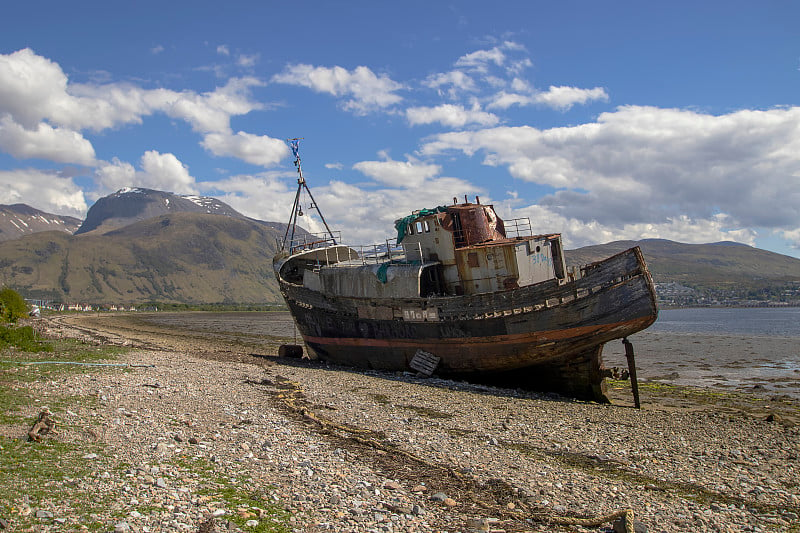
[[297, 209]]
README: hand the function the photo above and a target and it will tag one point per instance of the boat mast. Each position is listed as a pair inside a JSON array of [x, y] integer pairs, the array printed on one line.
[[297, 209]]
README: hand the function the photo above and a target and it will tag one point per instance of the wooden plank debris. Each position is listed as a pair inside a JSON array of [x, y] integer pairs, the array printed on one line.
[[424, 362]]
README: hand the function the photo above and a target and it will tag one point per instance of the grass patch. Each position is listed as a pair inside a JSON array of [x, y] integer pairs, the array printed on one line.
[[238, 497], [34, 475], [17, 371], [380, 398]]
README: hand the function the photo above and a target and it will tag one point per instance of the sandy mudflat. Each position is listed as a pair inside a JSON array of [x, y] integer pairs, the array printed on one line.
[[361, 451], [765, 366]]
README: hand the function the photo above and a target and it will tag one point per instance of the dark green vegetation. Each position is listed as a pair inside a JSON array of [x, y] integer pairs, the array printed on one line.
[[12, 305], [24, 339], [182, 258], [720, 270]]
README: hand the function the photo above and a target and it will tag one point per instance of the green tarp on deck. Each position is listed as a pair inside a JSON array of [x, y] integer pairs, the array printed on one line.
[[403, 223]]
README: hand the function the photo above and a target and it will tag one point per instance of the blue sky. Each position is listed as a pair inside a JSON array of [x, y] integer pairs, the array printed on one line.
[[600, 120]]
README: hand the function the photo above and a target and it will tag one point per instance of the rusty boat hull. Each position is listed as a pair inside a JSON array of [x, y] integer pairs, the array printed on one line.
[[547, 336]]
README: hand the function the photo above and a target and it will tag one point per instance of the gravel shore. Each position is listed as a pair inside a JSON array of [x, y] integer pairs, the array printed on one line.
[[321, 448]]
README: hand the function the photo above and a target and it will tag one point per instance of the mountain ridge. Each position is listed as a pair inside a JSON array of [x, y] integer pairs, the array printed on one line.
[[192, 258], [198, 250], [130, 205], [17, 220], [671, 261]]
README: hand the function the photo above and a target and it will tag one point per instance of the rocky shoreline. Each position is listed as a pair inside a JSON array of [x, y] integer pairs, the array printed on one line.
[[203, 436]]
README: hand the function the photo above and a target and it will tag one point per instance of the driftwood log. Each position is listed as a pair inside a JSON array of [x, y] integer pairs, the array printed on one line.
[[43, 425]]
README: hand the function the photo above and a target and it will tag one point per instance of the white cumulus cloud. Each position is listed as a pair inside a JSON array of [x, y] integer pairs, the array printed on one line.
[[163, 172], [646, 167], [410, 173], [494, 76], [264, 196], [366, 90], [211, 111], [562, 98], [566, 97], [457, 81], [166, 172], [45, 190], [42, 115], [254, 149], [454, 116], [45, 142], [480, 60]]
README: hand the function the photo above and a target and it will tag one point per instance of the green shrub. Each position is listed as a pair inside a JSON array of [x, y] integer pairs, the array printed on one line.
[[24, 339], [12, 305]]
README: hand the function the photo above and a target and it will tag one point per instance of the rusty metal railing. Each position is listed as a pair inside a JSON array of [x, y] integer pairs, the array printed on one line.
[[518, 227]]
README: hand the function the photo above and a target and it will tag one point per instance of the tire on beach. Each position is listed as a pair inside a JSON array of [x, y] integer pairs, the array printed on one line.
[[294, 351]]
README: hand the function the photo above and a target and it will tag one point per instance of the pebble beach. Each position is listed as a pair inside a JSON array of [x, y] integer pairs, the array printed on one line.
[[322, 448]]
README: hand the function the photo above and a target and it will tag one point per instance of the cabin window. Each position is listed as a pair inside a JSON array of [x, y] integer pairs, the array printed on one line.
[[533, 249], [410, 229], [419, 227], [472, 260], [426, 226]]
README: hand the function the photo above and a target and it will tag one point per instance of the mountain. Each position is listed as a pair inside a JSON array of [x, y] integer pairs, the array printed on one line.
[[20, 219], [142, 245], [722, 263], [130, 205], [177, 258]]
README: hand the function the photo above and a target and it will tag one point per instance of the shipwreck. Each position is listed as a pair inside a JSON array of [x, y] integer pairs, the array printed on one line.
[[460, 293]]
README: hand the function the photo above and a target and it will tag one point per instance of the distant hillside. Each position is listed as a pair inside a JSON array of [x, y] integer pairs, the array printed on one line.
[[703, 264], [140, 245], [180, 258], [128, 206], [19, 219]]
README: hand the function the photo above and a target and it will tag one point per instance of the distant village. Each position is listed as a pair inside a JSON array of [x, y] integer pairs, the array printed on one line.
[[674, 294], [57, 306]]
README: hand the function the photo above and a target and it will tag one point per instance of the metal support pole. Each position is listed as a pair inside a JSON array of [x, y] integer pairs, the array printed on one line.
[[632, 371]]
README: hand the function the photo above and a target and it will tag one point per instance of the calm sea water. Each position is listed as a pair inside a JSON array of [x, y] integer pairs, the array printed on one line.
[[766, 321]]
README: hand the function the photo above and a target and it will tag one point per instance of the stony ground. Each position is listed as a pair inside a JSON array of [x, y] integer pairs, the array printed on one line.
[[202, 436]]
